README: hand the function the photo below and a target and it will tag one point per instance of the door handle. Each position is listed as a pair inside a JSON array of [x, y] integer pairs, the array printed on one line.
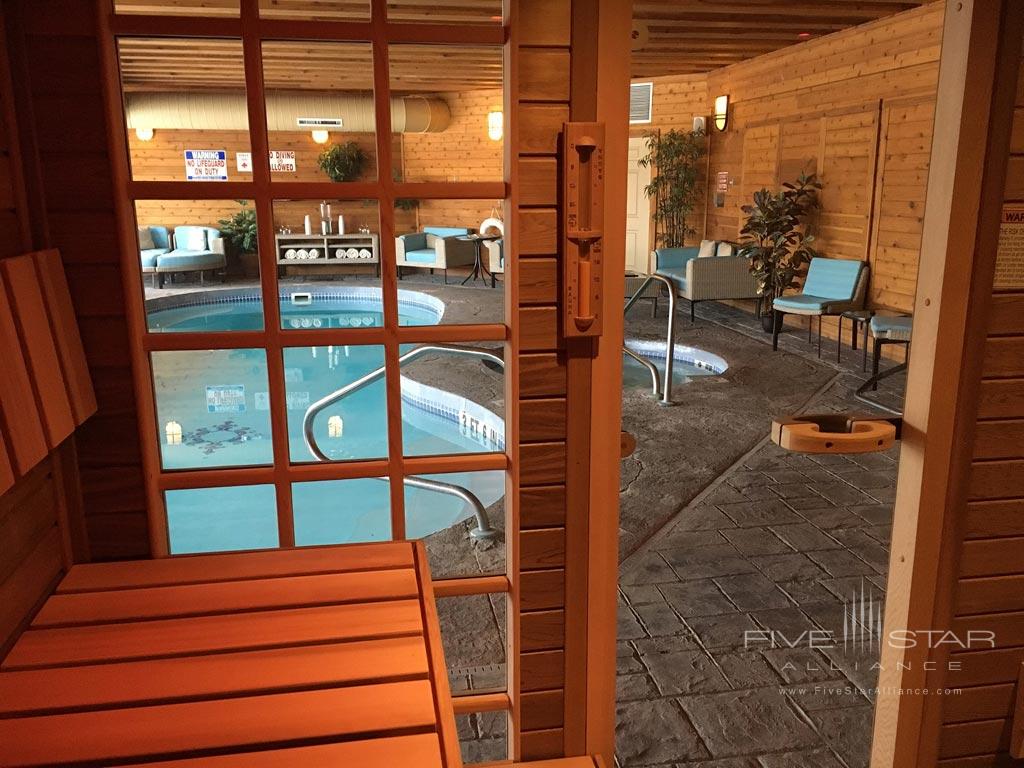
[[583, 202]]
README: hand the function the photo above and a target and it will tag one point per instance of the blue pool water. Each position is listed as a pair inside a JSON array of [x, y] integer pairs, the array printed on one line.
[[220, 399]]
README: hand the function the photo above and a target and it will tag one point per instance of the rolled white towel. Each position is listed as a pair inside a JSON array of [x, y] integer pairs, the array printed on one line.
[[290, 253], [340, 253], [365, 253], [301, 254], [314, 253], [352, 253]]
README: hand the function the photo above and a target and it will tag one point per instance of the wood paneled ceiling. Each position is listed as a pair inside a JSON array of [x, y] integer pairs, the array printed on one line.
[[670, 37], [674, 37], [174, 64]]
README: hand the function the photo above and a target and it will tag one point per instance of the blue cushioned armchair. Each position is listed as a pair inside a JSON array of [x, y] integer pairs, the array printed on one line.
[[154, 242], [709, 272], [196, 249], [434, 248], [833, 286]]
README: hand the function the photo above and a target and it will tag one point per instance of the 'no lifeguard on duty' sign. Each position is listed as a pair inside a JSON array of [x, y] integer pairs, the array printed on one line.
[[206, 165]]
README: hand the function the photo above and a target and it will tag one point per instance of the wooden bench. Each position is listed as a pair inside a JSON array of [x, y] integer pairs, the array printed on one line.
[[305, 657]]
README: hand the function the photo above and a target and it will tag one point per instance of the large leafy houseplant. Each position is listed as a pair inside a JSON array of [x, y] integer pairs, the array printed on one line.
[[775, 237], [343, 162], [675, 157], [239, 229]]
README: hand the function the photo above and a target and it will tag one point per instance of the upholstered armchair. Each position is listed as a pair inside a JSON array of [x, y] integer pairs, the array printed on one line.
[[196, 249], [709, 272], [434, 248], [495, 257]]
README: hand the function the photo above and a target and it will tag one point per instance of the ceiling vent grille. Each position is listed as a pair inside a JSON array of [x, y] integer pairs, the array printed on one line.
[[641, 99]]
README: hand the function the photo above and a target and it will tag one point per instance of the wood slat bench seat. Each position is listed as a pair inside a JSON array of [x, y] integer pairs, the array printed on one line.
[[320, 656]]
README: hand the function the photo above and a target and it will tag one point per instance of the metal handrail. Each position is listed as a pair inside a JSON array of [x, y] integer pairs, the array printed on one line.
[[670, 336], [651, 368], [483, 529]]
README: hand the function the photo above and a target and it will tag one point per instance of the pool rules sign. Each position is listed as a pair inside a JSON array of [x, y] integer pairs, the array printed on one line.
[[1010, 255], [206, 165]]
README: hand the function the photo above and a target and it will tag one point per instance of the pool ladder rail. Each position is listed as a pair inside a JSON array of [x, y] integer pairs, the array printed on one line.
[[670, 339], [483, 531]]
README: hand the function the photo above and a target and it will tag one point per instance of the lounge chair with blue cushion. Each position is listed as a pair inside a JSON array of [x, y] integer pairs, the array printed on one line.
[[495, 257], [709, 272], [154, 242], [196, 249], [434, 248], [833, 286]]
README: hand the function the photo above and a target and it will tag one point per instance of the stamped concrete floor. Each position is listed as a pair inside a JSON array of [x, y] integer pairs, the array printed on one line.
[[715, 666]]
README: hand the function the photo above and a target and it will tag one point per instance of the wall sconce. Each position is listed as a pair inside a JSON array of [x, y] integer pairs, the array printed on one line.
[[173, 432], [721, 112], [495, 125], [144, 134], [335, 426], [321, 136]]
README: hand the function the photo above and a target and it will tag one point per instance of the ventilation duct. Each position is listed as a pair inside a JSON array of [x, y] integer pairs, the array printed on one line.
[[641, 100], [229, 112]]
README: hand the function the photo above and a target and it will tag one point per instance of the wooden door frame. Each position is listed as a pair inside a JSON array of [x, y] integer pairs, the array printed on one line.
[[974, 109]]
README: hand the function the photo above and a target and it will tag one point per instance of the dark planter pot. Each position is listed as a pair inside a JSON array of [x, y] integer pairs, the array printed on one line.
[[766, 321]]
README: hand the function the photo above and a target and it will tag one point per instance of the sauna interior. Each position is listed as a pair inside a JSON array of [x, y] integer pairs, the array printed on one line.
[[555, 383]]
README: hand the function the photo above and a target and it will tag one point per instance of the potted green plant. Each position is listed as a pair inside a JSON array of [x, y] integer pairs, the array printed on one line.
[[343, 162], [776, 240], [239, 230], [675, 157]]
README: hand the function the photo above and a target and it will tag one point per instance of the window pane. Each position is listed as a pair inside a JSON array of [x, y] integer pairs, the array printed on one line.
[[199, 8], [320, 111], [483, 737], [316, 10], [330, 277], [222, 519], [354, 427], [200, 265], [448, 111], [213, 408], [453, 252], [186, 111], [473, 636], [479, 12], [461, 540], [453, 403], [342, 511]]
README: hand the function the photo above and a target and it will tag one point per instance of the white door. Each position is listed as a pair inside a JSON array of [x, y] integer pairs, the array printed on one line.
[[638, 210]]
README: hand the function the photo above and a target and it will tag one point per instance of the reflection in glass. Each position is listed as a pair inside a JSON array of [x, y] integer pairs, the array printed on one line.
[[464, 533], [321, 10], [185, 109], [328, 263], [415, 11], [354, 427], [473, 635], [321, 118], [342, 511], [222, 519], [460, 88], [213, 408], [452, 404], [200, 265]]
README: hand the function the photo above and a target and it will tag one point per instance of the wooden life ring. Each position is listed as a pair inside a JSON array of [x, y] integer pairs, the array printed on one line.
[[807, 435]]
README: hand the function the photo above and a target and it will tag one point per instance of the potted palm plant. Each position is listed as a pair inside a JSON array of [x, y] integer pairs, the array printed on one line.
[[675, 157], [239, 230], [776, 240]]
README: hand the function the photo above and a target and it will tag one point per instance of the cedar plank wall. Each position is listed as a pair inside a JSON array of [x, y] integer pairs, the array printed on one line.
[[31, 559], [990, 591], [56, 61], [676, 101], [835, 105], [542, 93]]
